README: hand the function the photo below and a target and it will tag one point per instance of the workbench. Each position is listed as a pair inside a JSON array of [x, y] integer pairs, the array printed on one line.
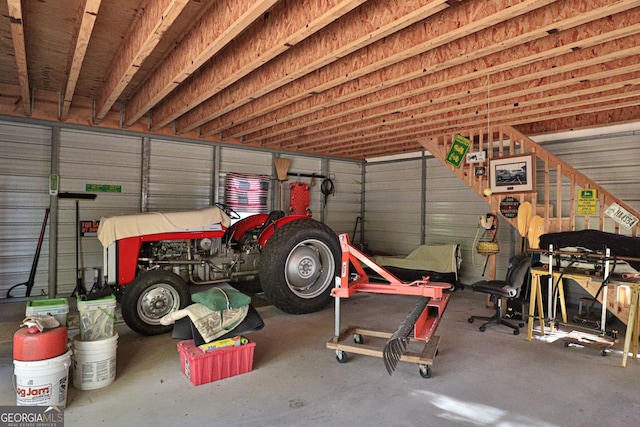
[[621, 297]]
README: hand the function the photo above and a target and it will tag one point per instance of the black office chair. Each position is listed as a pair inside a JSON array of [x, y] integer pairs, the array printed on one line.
[[517, 276]]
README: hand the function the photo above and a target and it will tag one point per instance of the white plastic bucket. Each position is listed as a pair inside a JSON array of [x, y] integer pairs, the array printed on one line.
[[42, 382], [94, 362]]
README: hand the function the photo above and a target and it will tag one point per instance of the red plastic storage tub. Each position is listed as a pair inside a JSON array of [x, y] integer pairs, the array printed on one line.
[[202, 368]]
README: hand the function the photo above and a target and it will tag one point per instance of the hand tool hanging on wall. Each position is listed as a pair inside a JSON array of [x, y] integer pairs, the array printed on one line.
[[282, 167], [327, 188]]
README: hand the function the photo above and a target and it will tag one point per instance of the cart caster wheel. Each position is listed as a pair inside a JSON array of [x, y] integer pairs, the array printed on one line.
[[470, 319], [603, 353], [516, 331], [358, 339], [482, 328], [341, 356], [425, 371], [566, 344]]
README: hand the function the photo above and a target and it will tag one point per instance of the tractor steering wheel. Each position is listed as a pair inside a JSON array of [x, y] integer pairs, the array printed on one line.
[[232, 214]]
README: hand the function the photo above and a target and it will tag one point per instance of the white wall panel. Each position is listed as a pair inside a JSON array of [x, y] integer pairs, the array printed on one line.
[[180, 176], [344, 206], [25, 164], [393, 198], [452, 211], [93, 158]]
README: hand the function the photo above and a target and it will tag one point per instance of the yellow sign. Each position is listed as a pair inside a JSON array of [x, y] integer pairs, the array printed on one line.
[[587, 201]]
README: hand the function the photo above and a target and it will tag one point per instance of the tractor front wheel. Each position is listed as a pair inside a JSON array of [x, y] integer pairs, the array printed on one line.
[[151, 296]]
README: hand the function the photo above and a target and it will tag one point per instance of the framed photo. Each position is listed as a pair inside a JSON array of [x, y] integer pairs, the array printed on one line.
[[479, 171], [515, 174]]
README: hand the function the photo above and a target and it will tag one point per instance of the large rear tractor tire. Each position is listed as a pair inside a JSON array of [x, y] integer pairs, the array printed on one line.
[[151, 296], [298, 266]]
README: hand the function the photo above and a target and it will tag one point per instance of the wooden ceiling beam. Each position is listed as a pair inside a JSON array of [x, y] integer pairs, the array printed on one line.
[[20, 52], [467, 118], [150, 24], [87, 13], [287, 25], [367, 24], [219, 25], [495, 71], [370, 62], [597, 77], [535, 25], [383, 146], [628, 114]]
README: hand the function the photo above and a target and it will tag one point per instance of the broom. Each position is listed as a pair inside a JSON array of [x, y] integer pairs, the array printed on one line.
[[282, 168]]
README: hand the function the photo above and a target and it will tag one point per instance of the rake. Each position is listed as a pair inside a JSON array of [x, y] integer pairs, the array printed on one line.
[[396, 346]]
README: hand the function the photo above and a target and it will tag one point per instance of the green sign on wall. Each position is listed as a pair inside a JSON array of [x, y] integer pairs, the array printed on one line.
[[103, 188], [458, 150], [587, 201]]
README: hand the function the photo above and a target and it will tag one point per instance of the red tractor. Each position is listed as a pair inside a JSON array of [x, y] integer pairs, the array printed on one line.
[[151, 258]]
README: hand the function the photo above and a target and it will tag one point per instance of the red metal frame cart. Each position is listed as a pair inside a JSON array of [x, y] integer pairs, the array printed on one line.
[[420, 324]]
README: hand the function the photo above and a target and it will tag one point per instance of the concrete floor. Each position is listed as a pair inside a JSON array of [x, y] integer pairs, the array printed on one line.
[[478, 379]]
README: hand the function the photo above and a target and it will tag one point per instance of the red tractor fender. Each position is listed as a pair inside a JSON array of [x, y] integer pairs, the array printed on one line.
[[239, 229], [269, 230]]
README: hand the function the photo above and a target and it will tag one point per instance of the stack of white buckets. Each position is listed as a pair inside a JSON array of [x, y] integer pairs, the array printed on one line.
[[94, 348], [42, 359]]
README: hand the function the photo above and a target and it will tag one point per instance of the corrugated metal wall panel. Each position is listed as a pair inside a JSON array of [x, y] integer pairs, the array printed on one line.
[[452, 211], [393, 220], [93, 158], [180, 176], [25, 164], [344, 206]]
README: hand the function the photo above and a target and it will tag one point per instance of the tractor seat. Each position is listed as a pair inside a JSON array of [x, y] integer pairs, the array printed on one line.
[[273, 216]]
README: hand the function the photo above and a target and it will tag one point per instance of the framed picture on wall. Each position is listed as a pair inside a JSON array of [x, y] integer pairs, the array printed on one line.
[[515, 174]]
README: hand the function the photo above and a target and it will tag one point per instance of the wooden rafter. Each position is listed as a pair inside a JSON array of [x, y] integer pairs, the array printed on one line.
[[600, 61], [628, 114], [477, 48], [287, 25], [216, 28], [152, 22], [551, 89], [377, 63], [514, 117], [345, 78], [20, 51], [369, 23], [87, 13]]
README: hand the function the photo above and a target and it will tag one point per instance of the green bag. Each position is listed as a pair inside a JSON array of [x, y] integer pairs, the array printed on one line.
[[217, 299]]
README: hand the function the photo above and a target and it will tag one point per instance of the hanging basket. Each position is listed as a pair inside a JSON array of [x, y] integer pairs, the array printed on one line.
[[487, 248]]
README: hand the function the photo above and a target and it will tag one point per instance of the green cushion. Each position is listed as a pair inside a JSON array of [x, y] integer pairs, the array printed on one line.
[[216, 298]]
